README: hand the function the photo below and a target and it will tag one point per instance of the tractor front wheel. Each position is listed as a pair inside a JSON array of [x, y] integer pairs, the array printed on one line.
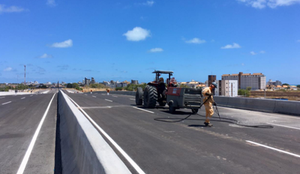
[[150, 96]]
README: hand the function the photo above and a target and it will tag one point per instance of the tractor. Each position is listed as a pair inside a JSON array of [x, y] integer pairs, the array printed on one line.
[[168, 93]]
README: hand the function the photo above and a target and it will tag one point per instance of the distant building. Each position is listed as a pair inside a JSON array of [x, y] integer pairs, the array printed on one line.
[[228, 88], [87, 81], [257, 81], [93, 81], [211, 78], [271, 84], [218, 89], [135, 82]]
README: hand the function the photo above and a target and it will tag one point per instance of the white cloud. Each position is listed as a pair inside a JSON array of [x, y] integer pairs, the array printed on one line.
[[298, 40], [234, 45], [64, 44], [252, 53], [137, 34], [51, 3], [262, 52], [147, 3], [155, 50], [195, 41], [270, 3], [8, 69], [11, 9], [45, 56]]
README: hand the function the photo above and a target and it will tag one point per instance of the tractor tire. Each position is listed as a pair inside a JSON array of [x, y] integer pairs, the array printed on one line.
[[194, 111], [139, 96], [150, 96], [171, 108]]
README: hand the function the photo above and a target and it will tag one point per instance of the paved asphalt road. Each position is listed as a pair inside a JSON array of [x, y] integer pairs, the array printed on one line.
[[187, 146], [20, 116]]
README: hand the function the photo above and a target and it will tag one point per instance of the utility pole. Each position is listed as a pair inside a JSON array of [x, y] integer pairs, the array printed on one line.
[[24, 74]]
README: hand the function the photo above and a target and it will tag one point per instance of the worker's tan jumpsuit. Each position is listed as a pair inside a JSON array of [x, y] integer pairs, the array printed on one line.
[[208, 104]]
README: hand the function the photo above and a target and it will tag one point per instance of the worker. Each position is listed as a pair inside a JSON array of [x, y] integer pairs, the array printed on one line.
[[161, 87], [209, 102], [173, 82], [107, 90]]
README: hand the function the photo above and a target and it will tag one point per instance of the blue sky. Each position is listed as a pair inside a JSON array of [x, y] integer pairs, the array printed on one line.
[[61, 40]]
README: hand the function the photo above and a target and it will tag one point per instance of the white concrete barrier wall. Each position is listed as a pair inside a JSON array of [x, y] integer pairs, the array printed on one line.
[[83, 150], [265, 105]]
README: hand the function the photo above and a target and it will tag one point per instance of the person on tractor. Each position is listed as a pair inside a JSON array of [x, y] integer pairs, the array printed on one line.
[[208, 102], [161, 87]]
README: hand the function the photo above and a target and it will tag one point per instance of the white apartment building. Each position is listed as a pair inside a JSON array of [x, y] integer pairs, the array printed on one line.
[[257, 81], [228, 88]]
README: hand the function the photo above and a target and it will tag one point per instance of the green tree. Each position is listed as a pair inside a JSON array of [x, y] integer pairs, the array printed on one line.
[[244, 92], [21, 87], [249, 88], [286, 84]]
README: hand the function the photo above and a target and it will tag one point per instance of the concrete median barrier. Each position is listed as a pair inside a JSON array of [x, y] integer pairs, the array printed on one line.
[[83, 150], [264, 105]]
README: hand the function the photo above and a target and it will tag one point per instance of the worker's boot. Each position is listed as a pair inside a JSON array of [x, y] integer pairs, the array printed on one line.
[[208, 124]]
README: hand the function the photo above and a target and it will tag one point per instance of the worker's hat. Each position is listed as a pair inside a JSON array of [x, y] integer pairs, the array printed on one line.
[[215, 84]]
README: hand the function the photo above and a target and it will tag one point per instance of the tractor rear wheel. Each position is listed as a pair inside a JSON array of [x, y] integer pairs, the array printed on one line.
[[150, 96], [139, 96]]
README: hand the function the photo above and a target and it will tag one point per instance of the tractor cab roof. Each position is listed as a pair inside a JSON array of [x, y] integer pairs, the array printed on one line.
[[163, 72]]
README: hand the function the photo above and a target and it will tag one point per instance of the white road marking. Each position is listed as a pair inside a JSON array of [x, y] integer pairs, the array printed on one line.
[[131, 99], [108, 100], [23, 98], [125, 155], [272, 148], [6, 103], [2, 97], [94, 96], [143, 110], [102, 94], [31, 95], [34, 138], [114, 96], [284, 126], [97, 107]]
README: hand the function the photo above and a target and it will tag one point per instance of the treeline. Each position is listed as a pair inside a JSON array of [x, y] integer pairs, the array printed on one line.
[[76, 86], [18, 87], [244, 92]]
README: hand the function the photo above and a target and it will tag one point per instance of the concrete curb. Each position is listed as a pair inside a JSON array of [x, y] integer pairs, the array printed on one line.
[[83, 150]]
